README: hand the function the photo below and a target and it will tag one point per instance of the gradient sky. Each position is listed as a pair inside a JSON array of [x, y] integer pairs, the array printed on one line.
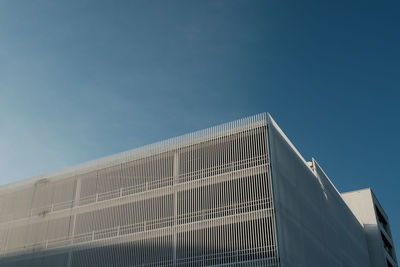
[[84, 79]]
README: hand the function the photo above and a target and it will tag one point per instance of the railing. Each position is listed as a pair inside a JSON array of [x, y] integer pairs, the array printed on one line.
[[225, 211], [261, 256], [224, 168], [266, 256], [268, 252], [122, 230], [148, 186]]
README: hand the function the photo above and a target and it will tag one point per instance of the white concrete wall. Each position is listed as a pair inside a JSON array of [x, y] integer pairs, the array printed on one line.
[[314, 225], [362, 204]]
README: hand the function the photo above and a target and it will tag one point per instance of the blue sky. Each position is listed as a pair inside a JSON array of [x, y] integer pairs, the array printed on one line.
[[84, 79]]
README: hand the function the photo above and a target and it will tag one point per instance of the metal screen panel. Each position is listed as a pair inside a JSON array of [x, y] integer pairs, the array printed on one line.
[[202, 199]]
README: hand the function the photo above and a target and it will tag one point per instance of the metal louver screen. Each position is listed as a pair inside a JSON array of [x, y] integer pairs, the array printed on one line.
[[197, 200]]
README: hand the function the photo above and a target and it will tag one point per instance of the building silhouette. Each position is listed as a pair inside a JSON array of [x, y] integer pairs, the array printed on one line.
[[238, 194]]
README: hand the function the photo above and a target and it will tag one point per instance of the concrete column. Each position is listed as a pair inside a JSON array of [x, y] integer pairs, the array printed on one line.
[[175, 181], [73, 218], [76, 203], [77, 192]]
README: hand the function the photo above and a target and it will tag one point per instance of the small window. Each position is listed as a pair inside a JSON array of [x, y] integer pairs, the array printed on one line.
[[388, 247], [381, 220]]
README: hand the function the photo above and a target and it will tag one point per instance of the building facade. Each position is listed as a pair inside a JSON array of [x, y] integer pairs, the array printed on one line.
[[376, 225], [238, 194]]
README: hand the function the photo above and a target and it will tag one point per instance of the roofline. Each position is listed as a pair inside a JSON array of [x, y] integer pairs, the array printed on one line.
[[166, 145], [273, 123], [357, 190]]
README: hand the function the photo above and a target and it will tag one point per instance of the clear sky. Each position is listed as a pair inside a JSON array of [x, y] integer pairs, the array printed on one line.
[[84, 79]]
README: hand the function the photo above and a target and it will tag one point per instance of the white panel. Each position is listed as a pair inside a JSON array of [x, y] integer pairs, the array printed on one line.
[[314, 226]]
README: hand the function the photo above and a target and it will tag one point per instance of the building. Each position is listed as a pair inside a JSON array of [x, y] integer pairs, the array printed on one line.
[[371, 215], [238, 194]]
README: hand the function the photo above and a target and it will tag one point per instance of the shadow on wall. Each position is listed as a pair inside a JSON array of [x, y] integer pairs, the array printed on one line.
[[131, 254]]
